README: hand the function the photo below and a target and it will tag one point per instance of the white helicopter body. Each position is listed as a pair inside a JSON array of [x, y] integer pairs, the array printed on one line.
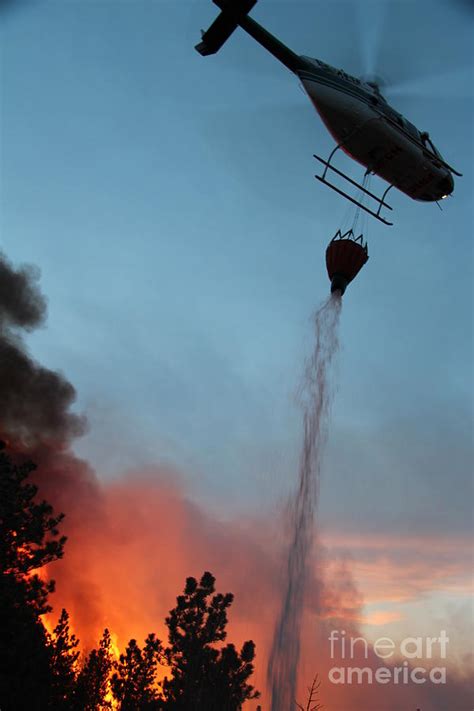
[[354, 111]]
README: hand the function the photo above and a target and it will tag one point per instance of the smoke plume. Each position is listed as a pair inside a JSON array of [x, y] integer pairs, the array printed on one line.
[[35, 402]]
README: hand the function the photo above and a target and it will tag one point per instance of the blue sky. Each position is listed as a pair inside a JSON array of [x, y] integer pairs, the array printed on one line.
[[170, 204]]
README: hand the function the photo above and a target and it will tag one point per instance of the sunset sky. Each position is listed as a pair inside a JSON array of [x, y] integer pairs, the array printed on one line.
[[169, 203]]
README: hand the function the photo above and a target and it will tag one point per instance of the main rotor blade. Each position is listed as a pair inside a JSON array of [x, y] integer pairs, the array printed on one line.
[[456, 84], [443, 29], [370, 23]]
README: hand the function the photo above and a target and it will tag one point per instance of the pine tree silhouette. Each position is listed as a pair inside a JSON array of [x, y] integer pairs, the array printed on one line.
[[93, 691], [134, 681], [205, 678], [41, 672], [29, 539], [64, 654]]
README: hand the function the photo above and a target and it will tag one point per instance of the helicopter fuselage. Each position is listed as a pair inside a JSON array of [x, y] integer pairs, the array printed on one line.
[[373, 133], [359, 118]]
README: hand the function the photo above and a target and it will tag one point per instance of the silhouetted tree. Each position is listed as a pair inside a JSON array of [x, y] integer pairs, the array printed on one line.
[[41, 672], [313, 693], [134, 683], [29, 539], [205, 678], [63, 660], [230, 675], [93, 681]]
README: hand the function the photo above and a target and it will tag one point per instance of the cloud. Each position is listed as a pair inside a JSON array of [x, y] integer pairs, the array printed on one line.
[[402, 568]]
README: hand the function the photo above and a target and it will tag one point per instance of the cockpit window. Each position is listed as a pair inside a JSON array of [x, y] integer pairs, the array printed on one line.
[[412, 129]]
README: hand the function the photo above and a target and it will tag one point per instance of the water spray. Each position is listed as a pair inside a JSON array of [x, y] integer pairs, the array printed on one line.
[[316, 397], [345, 257]]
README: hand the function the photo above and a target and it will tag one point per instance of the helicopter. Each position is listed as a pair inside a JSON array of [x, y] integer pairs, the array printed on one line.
[[357, 115]]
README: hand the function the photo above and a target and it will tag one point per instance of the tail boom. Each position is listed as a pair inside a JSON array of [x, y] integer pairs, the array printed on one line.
[[225, 24], [234, 13]]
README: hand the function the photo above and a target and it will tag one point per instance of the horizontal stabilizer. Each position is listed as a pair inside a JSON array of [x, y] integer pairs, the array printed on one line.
[[222, 28]]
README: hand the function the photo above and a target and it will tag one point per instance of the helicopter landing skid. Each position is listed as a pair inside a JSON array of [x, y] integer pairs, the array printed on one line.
[[381, 201]]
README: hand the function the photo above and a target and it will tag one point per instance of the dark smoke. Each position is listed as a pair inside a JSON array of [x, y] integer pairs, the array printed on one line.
[[316, 400], [21, 302], [35, 402]]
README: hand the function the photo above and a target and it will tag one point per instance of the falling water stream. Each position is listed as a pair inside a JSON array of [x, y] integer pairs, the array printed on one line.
[[316, 395]]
